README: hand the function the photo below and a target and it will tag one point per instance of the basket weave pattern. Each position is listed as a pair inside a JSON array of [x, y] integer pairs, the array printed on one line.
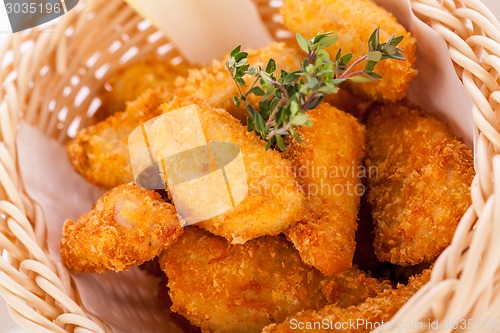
[[48, 73]]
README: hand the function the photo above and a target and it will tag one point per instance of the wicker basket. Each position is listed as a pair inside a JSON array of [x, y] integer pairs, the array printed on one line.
[[466, 278]]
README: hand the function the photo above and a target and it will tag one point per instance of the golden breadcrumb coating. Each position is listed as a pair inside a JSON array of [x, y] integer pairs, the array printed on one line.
[[215, 85], [352, 287], [364, 317], [100, 153], [354, 22], [238, 288], [274, 201], [165, 303], [128, 226], [327, 166], [131, 81], [421, 188]]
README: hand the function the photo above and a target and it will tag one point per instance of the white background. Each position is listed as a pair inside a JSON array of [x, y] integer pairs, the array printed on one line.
[[7, 325]]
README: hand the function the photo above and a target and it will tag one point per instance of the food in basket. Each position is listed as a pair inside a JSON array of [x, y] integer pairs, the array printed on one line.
[[327, 164], [285, 257], [421, 189], [246, 287], [241, 287], [128, 226]]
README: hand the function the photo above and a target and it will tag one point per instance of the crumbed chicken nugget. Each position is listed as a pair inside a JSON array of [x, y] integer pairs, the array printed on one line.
[[128, 226], [100, 153], [420, 189], [354, 22], [328, 166], [274, 200], [355, 319], [215, 85], [130, 82], [238, 288]]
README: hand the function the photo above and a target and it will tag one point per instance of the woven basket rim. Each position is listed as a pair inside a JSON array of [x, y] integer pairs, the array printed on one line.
[[40, 292]]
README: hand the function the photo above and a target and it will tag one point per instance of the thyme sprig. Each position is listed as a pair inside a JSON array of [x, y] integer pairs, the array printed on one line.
[[285, 97]]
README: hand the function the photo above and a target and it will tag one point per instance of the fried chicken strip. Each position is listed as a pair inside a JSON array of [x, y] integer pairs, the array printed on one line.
[[238, 288], [274, 199], [354, 22], [128, 83], [419, 189], [100, 154], [366, 316], [327, 166], [128, 226]]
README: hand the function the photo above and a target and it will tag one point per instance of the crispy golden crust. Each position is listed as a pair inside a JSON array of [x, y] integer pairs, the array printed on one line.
[[128, 226], [274, 201], [130, 82], [353, 22], [165, 303], [214, 83], [100, 153], [327, 166], [238, 288], [352, 287], [369, 314], [421, 187]]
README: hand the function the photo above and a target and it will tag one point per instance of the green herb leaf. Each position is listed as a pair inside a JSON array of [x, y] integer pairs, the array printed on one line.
[[304, 45], [271, 66], [360, 79], [235, 51], [280, 142]]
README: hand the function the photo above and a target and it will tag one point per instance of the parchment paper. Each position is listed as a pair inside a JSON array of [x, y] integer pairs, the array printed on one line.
[[127, 301]]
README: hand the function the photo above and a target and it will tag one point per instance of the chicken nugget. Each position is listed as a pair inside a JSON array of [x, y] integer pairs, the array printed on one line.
[[100, 153], [238, 288], [215, 85], [354, 22], [355, 319], [274, 200], [327, 166], [419, 183], [130, 82], [128, 226]]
